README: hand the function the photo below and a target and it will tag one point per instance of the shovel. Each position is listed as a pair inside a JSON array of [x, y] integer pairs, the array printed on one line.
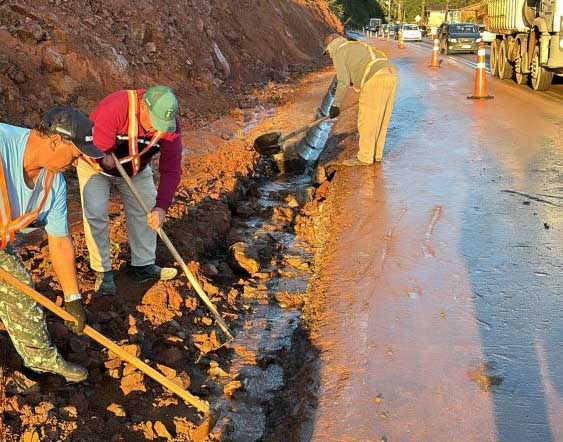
[[271, 143], [202, 406], [175, 254]]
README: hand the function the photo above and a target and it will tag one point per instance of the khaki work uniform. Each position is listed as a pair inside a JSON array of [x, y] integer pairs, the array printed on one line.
[[370, 73]]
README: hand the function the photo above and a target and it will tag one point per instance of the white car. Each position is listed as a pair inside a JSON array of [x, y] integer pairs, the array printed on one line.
[[412, 33]]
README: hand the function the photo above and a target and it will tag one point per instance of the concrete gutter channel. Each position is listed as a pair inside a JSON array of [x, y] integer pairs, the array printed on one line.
[[274, 359]]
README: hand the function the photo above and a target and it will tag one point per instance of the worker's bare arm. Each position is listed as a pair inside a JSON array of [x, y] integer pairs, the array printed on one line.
[[62, 256]]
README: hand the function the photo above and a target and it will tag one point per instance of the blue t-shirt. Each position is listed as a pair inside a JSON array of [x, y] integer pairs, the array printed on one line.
[[54, 215]]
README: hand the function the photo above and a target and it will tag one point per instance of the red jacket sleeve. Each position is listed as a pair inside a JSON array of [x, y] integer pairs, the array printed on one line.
[[108, 118], [170, 167]]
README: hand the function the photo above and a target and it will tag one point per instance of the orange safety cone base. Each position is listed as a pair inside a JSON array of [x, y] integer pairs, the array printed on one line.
[[486, 97]]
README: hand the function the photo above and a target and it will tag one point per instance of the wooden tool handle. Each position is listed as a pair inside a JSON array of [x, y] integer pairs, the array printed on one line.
[[175, 254], [107, 343]]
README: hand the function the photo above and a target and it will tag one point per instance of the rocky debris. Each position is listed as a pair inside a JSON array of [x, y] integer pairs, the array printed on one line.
[[206, 343], [133, 382], [215, 371], [291, 201], [161, 430], [231, 387], [290, 300], [168, 372], [262, 384], [117, 410], [283, 214], [297, 262], [51, 60], [246, 257]]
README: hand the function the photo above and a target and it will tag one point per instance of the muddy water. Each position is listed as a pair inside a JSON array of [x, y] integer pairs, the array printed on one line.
[[445, 321]]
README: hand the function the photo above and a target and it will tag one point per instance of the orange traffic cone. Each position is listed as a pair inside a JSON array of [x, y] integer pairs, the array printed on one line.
[[401, 42], [480, 92], [435, 54]]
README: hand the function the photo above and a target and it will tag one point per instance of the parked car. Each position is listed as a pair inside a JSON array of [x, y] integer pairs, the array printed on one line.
[[390, 29], [411, 33], [459, 37], [486, 36]]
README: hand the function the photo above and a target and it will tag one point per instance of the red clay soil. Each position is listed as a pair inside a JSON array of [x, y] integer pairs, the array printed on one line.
[[211, 52], [75, 52], [165, 322]]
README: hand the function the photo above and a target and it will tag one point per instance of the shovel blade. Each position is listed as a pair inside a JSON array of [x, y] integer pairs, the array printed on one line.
[[268, 144]]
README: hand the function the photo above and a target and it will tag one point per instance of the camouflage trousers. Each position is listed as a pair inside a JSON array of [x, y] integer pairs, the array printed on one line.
[[24, 319]]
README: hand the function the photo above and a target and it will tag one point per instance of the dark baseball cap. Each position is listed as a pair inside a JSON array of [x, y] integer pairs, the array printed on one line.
[[74, 126]]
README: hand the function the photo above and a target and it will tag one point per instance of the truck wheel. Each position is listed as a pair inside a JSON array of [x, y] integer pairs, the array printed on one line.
[[494, 58], [519, 76], [540, 78], [505, 68]]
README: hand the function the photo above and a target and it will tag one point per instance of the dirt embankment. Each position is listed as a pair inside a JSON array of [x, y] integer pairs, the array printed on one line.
[[211, 52]]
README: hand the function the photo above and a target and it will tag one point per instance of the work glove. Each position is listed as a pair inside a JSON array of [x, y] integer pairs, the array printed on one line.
[[75, 309], [334, 112]]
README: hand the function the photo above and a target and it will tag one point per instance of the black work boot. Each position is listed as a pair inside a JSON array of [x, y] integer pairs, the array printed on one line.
[[71, 372], [105, 285], [151, 272]]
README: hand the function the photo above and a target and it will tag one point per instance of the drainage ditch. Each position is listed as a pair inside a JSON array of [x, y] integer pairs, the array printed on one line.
[[275, 359]]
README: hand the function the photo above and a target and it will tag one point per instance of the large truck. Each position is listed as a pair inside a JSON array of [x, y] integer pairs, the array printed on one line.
[[529, 40]]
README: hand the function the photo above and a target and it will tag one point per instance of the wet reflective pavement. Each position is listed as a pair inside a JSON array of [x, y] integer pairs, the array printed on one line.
[[443, 308]]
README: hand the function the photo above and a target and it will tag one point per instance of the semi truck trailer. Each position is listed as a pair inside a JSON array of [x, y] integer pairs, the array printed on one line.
[[529, 43]]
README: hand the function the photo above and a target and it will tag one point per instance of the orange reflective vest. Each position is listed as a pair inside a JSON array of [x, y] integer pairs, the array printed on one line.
[[133, 138], [8, 226]]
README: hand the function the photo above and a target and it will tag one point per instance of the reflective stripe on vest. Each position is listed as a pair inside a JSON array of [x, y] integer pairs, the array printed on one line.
[[9, 227], [133, 137], [374, 59]]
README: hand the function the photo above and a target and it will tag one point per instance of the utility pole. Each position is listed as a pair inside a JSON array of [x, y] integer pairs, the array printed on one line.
[[388, 11]]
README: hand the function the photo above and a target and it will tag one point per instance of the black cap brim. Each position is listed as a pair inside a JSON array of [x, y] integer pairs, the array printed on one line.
[[90, 151]]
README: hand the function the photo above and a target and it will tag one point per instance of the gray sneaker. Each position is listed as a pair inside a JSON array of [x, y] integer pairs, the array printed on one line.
[[71, 372], [105, 285], [152, 271]]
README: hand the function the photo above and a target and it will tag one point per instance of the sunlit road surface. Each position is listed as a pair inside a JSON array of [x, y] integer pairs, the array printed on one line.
[[444, 288]]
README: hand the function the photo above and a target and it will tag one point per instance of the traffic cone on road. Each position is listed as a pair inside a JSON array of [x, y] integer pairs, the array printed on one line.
[[401, 41], [435, 54], [480, 92]]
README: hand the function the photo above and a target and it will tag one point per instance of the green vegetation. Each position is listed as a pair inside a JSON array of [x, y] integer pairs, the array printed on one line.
[[360, 11]]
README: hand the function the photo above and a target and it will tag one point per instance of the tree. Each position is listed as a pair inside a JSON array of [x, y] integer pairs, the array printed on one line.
[[360, 11]]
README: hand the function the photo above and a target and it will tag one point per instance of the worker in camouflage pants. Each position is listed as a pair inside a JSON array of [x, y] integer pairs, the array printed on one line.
[[24, 319], [33, 194]]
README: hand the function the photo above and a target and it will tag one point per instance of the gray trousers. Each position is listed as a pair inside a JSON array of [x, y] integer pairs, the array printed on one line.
[[94, 193]]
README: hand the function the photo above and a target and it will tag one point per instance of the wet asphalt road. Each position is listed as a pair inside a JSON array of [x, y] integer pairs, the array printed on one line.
[[444, 287]]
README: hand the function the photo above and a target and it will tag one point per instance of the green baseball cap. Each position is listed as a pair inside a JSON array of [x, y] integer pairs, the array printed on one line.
[[163, 107]]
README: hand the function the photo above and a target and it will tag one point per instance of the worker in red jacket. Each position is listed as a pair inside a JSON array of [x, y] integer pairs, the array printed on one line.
[[135, 125]]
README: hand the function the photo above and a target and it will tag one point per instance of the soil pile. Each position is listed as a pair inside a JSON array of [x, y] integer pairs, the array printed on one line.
[[77, 51]]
